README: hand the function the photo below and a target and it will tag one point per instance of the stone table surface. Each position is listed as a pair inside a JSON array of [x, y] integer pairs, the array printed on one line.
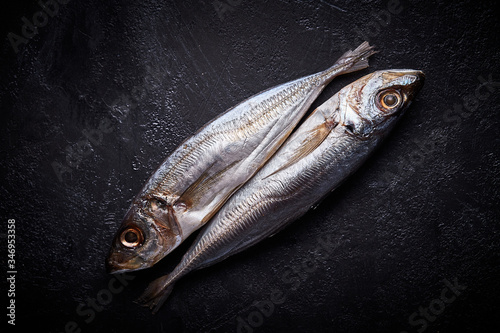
[[96, 94]]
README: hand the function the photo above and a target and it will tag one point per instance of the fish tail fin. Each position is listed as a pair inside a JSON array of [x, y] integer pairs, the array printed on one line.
[[156, 293], [359, 57], [352, 61]]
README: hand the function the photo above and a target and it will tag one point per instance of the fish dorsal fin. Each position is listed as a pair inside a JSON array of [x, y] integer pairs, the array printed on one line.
[[312, 140]]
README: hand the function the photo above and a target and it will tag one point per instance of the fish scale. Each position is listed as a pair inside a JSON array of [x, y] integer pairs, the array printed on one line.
[[204, 171], [269, 108], [276, 103], [277, 195]]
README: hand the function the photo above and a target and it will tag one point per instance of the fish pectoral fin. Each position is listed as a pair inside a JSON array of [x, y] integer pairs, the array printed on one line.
[[312, 140], [196, 190], [172, 222], [156, 293], [194, 186], [166, 220]]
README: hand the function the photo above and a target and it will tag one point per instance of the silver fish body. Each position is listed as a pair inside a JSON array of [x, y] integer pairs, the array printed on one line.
[[331, 144], [203, 172]]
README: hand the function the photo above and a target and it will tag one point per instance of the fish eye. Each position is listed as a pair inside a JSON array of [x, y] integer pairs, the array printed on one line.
[[131, 237], [389, 99]]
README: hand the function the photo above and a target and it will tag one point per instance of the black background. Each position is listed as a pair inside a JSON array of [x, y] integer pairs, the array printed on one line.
[[422, 210]]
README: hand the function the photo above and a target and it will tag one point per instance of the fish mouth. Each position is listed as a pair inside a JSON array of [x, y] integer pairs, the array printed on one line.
[[409, 80], [420, 77], [116, 264], [114, 268], [417, 76], [414, 88]]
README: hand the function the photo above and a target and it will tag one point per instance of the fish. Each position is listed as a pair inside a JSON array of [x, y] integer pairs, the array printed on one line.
[[192, 183], [329, 146]]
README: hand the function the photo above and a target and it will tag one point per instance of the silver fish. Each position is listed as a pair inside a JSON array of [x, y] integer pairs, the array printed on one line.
[[331, 144], [202, 173]]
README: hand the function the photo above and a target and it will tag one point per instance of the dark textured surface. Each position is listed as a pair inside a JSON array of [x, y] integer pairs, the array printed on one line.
[[422, 210]]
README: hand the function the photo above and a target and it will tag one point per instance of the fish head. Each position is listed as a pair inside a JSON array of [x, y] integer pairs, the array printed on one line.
[[373, 103], [148, 232]]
